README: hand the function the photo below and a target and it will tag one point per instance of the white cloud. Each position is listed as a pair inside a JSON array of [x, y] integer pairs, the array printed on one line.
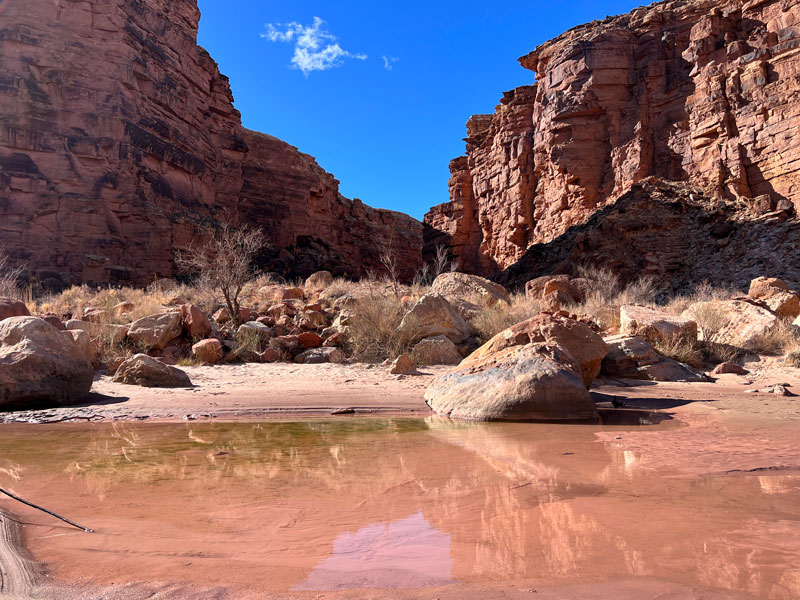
[[388, 61], [315, 48]]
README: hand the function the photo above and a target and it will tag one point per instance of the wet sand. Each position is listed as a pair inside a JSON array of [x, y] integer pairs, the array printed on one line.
[[706, 505]]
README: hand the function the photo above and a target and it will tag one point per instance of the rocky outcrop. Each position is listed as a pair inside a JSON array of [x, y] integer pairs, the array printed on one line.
[[674, 234], [119, 144], [702, 92]]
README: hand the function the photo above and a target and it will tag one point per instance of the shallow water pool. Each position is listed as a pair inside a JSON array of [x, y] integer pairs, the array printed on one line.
[[392, 504]]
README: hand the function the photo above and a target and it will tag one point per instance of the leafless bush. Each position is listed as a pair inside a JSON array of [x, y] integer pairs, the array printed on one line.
[[224, 265], [9, 277], [605, 294], [777, 340]]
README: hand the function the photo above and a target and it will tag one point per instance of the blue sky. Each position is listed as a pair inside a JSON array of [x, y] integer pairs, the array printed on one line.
[[387, 134]]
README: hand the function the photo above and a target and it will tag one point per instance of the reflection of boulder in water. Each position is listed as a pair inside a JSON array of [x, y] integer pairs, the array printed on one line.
[[409, 553]]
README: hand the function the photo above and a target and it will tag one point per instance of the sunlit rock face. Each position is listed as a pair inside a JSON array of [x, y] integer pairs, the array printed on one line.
[[119, 142], [702, 92]]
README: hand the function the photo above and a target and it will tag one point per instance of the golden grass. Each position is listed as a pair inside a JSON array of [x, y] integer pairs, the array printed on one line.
[[783, 337], [494, 319], [374, 329]]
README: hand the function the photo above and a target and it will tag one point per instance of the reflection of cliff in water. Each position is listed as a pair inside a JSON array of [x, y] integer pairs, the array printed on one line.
[[338, 504]]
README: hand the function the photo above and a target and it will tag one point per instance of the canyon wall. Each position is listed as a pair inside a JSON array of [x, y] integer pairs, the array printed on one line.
[[704, 92], [119, 144]]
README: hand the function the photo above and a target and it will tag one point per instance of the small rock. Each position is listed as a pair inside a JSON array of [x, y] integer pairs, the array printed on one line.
[[403, 365], [729, 368], [209, 351], [146, 371]]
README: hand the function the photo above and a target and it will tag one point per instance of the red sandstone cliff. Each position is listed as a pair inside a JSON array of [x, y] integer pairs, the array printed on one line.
[[705, 92], [119, 142]]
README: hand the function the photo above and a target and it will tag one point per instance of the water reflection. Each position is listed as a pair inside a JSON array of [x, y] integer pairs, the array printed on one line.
[[390, 503], [409, 553]]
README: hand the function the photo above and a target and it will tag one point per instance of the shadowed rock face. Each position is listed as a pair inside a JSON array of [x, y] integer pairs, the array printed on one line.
[[119, 143], [702, 92]]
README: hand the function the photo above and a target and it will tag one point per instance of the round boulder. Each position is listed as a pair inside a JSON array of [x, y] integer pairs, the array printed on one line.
[[209, 351], [319, 281], [146, 371], [12, 308], [586, 348], [463, 286], [534, 382], [39, 365], [156, 331]]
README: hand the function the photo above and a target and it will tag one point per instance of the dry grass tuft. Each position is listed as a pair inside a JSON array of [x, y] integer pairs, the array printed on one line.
[[374, 333], [494, 319], [679, 348], [780, 339], [606, 294], [792, 358]]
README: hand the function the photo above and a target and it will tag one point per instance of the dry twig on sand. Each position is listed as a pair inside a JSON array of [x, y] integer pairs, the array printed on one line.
[[44, 510]]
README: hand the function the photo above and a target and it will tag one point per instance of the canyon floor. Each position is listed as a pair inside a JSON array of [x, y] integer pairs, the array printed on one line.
[[719, 475]]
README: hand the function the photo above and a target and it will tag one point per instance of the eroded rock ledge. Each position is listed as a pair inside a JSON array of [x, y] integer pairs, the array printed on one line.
[[702, 92], [119, 142]]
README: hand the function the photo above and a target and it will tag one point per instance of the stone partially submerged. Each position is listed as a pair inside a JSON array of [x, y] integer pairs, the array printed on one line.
[[537, 370], [39, 365], [534, 382]]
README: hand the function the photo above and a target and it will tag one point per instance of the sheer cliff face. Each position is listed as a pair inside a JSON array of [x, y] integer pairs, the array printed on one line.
[[700, 91], [119, 143]]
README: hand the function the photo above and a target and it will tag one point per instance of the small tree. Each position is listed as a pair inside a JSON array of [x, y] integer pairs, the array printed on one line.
[[225, 264]]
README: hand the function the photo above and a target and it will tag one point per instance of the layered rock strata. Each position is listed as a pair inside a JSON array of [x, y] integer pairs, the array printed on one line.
[[119, 143], [701, 91]]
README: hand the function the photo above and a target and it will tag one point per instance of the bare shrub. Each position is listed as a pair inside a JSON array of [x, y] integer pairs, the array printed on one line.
[[776, 341], [703, 292], [792, 358], [680, 348], [225, 265], [9, 277], [374, 333], [494, 319], [710, 320], [605, 294]]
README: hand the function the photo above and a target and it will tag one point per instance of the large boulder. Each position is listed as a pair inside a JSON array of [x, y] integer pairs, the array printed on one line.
[[632, 357], [571, 290], [734, 322], [433, 315], [437, 350], [12, 308], [464, 287], [784, 304], [156, 331], [319, 281], [146, 371], [109, 334], [532, 382], [195, 322], [40, 365], [652, 323], [586, 347], [764, 287]]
